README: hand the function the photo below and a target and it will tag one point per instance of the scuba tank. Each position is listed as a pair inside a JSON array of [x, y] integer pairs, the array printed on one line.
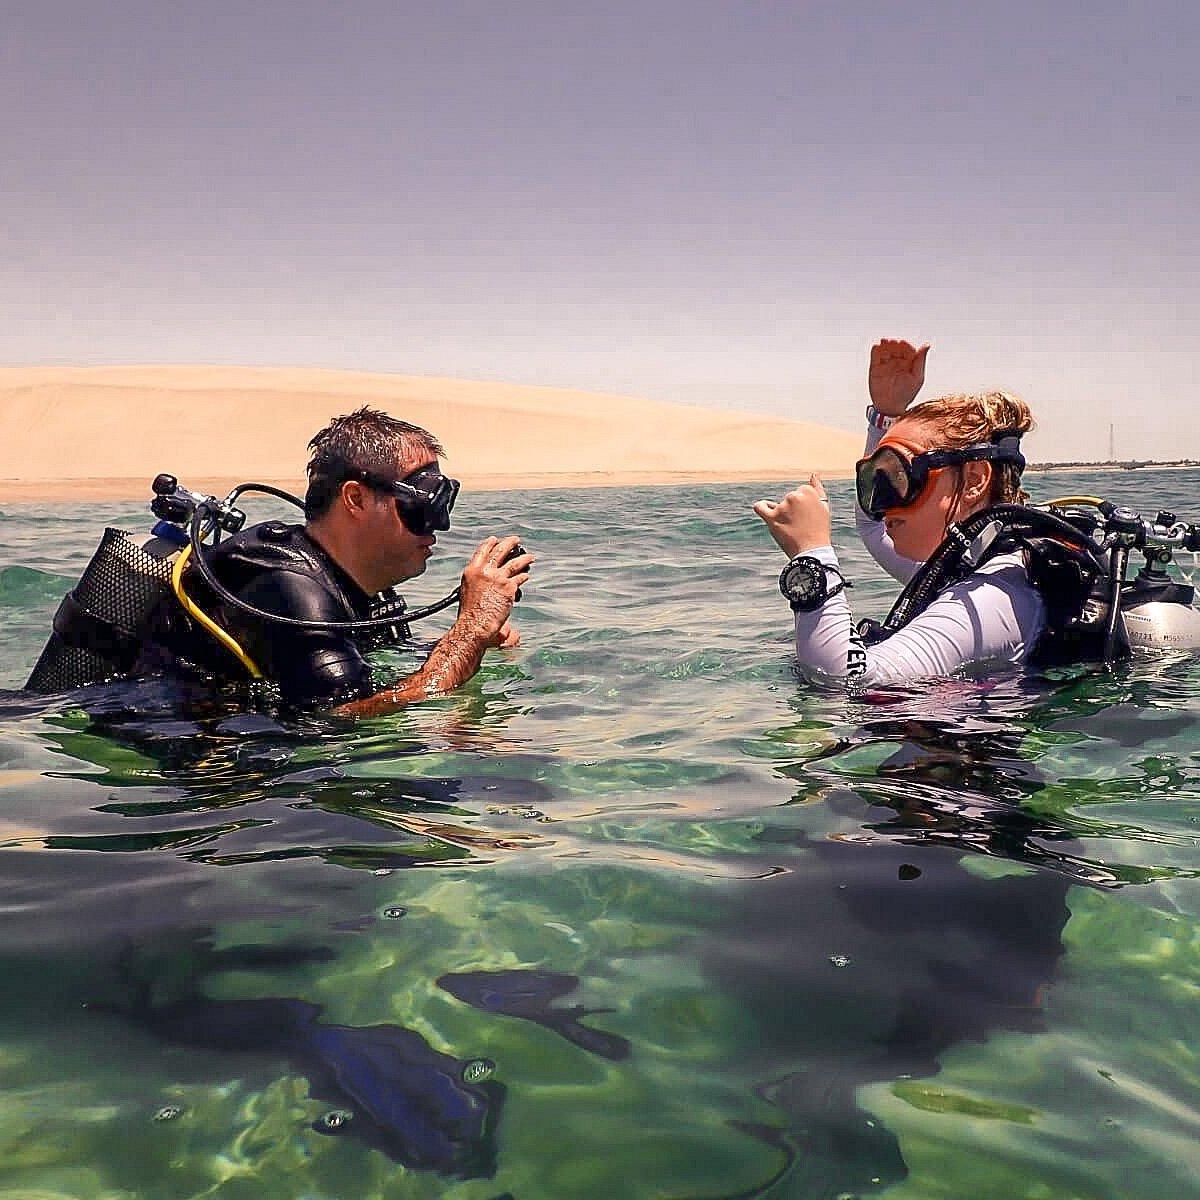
[[1077, 551], [99, 627], [97, 632]]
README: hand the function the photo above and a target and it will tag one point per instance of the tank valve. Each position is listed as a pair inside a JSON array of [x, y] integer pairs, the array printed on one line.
[[1125, 524]]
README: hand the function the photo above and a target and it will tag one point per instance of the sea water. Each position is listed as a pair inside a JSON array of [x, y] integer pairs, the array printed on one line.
[[635, 914]]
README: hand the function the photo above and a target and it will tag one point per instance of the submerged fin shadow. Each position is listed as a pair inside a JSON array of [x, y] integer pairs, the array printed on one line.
[[403, 1098], [530, 995]]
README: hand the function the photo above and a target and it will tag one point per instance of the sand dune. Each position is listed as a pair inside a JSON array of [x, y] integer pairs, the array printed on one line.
[[106, 431]]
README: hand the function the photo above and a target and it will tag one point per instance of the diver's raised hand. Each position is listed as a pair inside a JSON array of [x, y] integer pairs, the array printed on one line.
[[895, 375], [490, 582], [799, 522]]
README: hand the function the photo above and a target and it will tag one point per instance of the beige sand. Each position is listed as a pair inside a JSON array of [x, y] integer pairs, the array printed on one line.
[[104, 432]]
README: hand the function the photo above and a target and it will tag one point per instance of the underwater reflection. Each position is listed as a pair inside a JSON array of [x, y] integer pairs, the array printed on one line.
[[311, 787], [888, 940], [956, 773]]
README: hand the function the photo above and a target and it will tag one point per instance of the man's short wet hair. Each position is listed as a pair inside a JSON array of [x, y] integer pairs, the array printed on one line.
[[364, 441]]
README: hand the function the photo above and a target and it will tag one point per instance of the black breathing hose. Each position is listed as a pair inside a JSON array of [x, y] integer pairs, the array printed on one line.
[[266, 489], [1118, 558], [195, 536]]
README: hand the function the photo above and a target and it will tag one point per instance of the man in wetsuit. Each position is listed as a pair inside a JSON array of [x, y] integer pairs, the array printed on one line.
[[375, 498]]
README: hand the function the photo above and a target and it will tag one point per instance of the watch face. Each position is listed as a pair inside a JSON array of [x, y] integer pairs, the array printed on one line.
[[803, 582]]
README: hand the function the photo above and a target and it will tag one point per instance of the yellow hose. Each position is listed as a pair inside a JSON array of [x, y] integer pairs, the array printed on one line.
[[1094, 501], [205, 620]]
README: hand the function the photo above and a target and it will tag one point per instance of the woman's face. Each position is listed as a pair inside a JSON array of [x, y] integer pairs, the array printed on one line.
[[950, 494]]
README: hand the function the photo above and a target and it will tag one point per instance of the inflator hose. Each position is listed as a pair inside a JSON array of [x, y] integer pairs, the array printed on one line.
[[198, 615]]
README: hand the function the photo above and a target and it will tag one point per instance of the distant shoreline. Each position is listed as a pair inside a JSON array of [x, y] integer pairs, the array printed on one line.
[[1181, 464], [57, 491]]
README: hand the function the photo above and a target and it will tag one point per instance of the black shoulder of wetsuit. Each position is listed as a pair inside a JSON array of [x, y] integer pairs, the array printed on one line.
[[280, 569], [272, 545], [311, 666]]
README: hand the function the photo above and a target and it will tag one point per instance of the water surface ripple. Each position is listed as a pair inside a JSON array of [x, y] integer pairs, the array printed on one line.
[[634, 914]]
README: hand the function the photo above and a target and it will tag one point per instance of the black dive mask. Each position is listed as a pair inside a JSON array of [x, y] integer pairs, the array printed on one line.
[[887, 479], [423, 498]]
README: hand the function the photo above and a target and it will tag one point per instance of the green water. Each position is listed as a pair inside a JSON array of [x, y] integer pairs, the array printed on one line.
[[765, 941]]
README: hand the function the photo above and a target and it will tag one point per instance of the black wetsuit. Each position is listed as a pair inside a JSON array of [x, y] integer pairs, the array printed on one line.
[[278, 568]]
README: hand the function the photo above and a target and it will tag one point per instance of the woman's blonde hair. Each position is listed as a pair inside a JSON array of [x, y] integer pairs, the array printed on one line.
[[955, 422]]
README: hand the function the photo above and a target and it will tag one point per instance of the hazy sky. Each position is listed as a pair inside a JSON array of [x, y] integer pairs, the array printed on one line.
[[715, 203]]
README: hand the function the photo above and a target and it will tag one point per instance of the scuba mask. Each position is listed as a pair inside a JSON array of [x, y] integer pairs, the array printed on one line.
[[888, 479], [423, 498]]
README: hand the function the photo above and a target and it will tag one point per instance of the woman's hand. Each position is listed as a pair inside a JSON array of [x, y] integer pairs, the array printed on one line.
[[800, 521], [895, 376]]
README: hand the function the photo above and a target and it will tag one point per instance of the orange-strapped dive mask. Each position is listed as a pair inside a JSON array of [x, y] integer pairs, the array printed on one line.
[[887, 479]]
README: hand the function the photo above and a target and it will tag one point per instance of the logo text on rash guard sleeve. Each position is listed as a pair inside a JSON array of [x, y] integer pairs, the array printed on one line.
[[856, 656]]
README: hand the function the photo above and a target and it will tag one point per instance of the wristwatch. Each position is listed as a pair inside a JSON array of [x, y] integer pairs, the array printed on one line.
[[804, 583]]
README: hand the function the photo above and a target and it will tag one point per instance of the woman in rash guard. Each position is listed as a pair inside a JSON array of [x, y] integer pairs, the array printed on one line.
[[925, 467]]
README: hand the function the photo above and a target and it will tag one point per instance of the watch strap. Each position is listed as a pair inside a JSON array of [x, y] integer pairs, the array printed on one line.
[[877, 420], [828, 569], [842, 584]]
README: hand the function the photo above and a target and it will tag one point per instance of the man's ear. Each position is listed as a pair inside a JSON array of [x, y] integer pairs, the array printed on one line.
[[354, 497]]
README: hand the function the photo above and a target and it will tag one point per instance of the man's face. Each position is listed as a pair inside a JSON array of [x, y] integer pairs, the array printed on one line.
[[394, 549]]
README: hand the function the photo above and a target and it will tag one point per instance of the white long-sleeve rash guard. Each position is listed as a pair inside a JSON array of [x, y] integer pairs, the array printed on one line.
[[993, 616]]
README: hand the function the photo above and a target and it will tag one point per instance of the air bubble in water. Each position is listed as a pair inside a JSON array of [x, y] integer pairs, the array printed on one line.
[[839, 960], [335, 1119], [169, 1112], [397, 910]]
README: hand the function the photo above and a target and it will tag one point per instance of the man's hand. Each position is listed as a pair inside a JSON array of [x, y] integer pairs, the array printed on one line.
[[490, 582], [895, 376], [510, 637], [800, 521]]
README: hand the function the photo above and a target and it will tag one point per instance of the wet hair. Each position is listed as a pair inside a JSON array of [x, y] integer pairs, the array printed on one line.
[[956, 422], [364, 441]]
